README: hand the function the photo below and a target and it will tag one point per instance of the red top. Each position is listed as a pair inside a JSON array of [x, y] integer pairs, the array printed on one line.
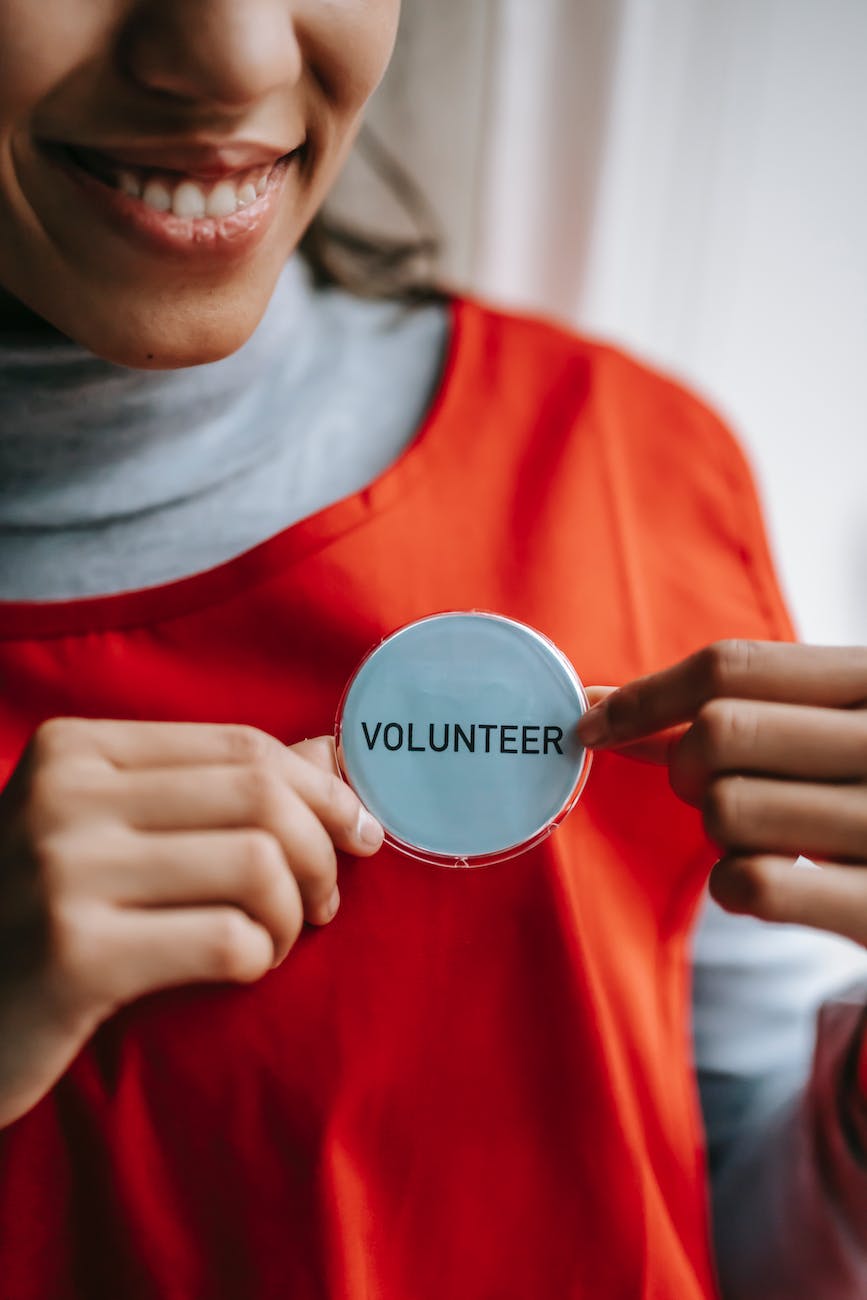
[[472, 1085]]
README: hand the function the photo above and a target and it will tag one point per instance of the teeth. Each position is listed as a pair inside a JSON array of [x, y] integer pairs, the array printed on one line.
[[222, 200], [188, 200], [157, 196], [130, 184]]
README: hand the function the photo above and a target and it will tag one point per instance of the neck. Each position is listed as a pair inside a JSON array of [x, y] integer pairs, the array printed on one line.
[[84, 440]]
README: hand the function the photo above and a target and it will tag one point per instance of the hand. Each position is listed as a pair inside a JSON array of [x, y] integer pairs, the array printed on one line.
[[774, 753], [139, 855]]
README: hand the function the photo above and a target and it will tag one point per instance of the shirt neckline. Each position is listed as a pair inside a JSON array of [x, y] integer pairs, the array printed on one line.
[[21, 620]]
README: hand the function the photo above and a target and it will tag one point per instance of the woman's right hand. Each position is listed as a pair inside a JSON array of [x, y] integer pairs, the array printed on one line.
[[139, 855]]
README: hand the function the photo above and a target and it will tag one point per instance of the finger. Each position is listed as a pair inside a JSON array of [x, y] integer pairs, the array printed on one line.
[[238, 798], [780, 739], [754, 814], [157, 803], [312, 769], [129, 744], [309, 766], [825, 676], [244, 868], [832, 898], [147, 951], [652, 749]]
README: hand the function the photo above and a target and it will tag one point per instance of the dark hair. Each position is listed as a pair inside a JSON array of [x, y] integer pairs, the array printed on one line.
[[370, 265]]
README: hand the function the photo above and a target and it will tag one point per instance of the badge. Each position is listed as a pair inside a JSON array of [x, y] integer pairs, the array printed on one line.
[[458, 733]]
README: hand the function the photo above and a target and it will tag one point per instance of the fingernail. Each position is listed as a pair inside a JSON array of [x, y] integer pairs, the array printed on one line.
[[369, 830], [333, 903], [593, 727]]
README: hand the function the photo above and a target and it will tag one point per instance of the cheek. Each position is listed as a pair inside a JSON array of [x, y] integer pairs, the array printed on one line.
[[349, 44], [41, 44]]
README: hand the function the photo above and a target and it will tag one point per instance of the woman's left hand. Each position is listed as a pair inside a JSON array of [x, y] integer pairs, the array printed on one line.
[[769, 740]]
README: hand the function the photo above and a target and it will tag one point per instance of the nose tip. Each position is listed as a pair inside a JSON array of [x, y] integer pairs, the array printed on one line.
[[231, 53]]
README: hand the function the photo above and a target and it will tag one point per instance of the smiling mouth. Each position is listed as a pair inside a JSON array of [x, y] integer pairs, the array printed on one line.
[[162, 190]]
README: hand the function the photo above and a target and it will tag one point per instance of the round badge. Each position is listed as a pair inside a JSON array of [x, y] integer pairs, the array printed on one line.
[[458, 733]]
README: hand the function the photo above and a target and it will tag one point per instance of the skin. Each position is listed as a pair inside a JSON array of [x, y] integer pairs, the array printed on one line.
[[769, 741], [139, 855], [97, 71]]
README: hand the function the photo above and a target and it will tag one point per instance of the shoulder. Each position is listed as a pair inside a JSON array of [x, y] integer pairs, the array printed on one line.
[[616, 395], [637, 450]]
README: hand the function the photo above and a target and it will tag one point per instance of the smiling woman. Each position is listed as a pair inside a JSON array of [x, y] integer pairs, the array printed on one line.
[[133, 121], [251, 1047]]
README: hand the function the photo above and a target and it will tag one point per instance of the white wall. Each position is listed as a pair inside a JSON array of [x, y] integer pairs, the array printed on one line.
[[731, 243], [687, 177]]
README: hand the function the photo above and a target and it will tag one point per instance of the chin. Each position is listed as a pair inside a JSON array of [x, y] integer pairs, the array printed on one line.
[[188, 334], [170, 325], [164, 353]]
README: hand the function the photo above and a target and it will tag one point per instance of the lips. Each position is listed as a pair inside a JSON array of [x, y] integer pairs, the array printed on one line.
[[216, 210], [211, 188]]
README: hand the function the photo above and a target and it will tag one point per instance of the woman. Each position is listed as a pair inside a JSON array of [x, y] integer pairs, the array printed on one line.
[[462, 1084]]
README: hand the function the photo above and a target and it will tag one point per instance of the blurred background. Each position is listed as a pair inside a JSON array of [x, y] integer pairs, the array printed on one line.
[[687, 178]]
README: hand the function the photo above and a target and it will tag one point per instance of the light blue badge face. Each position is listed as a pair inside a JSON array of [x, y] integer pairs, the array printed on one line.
[[458, 733]]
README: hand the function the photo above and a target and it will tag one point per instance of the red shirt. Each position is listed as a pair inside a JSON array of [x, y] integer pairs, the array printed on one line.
[[472, 1085]]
